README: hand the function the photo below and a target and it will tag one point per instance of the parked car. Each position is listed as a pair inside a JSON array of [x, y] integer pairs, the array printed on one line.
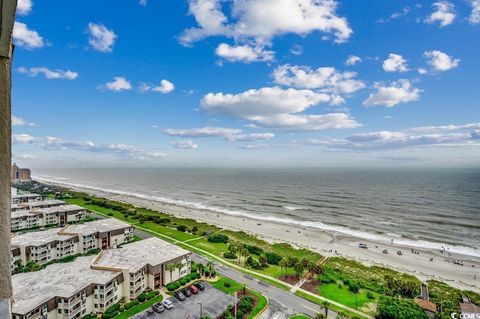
[[150, 311], [179, 295], [168, 304], [385, 251], [364, 246], [186, 292], [193, 289], [200, 285], [399, 253], [158, 307]]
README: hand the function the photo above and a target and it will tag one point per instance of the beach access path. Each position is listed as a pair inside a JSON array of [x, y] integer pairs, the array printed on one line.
[[289, 302]]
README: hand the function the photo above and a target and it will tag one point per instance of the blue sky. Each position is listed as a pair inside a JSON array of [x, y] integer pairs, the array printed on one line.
[[247, 83]]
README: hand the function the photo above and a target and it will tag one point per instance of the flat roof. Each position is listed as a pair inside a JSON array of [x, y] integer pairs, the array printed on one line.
[[100, 225], [33, 289], [134, 256], [44, 202], [59, 209], [26, 195], [21, 213], [39, 238]]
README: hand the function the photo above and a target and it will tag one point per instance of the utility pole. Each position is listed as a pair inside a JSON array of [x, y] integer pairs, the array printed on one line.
[[7, 18]]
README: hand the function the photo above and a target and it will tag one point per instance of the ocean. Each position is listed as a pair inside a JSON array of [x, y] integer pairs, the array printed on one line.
[[423, 208]]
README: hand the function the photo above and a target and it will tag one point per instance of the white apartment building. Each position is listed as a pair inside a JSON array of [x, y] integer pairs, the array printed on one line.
[[91, 284], [46, 216], [45, 246]]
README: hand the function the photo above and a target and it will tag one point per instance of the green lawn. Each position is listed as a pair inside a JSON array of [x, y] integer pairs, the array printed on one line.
[[234, 286], [262, 303], [215, 248], [344, 296], [299, 317], [139, 308]]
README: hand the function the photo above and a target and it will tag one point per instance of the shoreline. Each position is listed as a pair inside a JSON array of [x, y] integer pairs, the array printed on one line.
[[415, 261]]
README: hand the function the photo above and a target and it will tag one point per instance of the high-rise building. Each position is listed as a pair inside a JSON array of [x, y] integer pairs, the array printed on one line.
[[20, 174]]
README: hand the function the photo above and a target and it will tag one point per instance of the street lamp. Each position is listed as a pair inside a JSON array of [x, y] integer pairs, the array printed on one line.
[[201, 309], [235, 306]]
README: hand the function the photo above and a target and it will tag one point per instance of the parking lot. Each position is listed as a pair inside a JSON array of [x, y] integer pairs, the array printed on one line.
[[214, 302]]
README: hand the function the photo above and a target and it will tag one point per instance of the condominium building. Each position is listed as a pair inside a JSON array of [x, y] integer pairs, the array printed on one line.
[[46, 216], [44, 246], [25, 198], [46, 203], [18, 174], [91, 284]]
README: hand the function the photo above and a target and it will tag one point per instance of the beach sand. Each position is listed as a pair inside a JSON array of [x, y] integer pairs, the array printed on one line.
[[416, 262]]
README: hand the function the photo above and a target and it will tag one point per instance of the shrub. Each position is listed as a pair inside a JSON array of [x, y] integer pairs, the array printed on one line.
[[152, 294], [395, 308], [110, 315], [252, 262], [121, 309], [110, 214], [325, 279], [254, 250], [182, 228], [353, 287], [226, 284], [112, 308], [173, 286], [229, 255], [273, 259], [218, 238], [93, 251], [142, 297], [370, 295], [183, 281], [130, 304]]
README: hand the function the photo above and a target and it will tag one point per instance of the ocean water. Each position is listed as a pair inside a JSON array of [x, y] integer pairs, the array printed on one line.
[[423, 208]]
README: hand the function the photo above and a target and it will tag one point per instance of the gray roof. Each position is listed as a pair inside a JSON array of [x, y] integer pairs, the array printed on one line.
[[39, 238], [101, 225], [33, 289], [21, 213], [55, 209], [134, 256]]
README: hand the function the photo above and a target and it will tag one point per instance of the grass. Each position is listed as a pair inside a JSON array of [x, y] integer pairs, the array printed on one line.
[[299, 316], [344, 296], [318, 301], [262, 303], [139, 308]]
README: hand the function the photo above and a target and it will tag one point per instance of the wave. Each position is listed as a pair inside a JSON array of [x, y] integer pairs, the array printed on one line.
[[292, 207], [387, 238]]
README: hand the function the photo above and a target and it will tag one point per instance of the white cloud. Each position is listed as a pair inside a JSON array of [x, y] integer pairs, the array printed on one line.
[[26, 38], [395, 63], [324, 79], [448, 135], [244, 53], [142, 3], [26, 157], [440, 61], [185, 144], [165, 87], [259, 20], [19, 121], [400, 91], [297, 49], [101, 38], [406, 10], [229, 134], [51, 143], [275, 107], [444, 13], [49, 74], [422, 71], [118, 84], [352, 60], [24, 7], [475, 14]]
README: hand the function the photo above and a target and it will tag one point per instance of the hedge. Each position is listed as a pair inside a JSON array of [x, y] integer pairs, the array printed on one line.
[[113, 308], [142, 297], [151, 294], [173, 286], [229, 255], [132, 303], [109, 315], [218, 238]]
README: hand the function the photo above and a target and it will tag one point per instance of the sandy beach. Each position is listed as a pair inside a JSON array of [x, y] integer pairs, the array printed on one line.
[[423, 263]]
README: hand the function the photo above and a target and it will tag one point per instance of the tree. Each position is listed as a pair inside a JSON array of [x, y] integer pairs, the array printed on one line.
[[298, 267], [201, 269], [304, 262], [283, 265], [171, 267], [320, 316], [234, 248], [326, 306], [179, 266]]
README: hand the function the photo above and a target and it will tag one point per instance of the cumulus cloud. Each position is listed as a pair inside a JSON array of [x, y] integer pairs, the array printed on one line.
[[475, 14], [444, 13], [395, 63], [229, 134], [400, 91], [185, 144], [49, 74], [297, 49], [24, 7], [143, 3], [100, 37], [118, 84], [51, 143], [165, 87], [244, 53], [324, 79], [352, 60], [19, 121], [448, 135], [406, 10], [440, 61], [25, 38], [274, 107], [260, 21]]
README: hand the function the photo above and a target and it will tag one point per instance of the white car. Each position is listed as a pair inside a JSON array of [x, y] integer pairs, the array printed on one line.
[[167, 304]]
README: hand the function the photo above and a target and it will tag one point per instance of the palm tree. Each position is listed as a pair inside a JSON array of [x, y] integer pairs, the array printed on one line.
[[233, 248], [201, 269], [179, 266], [243, 253], [283, 265], [326, 306], [171, 267], [320, 316], [298, 269]]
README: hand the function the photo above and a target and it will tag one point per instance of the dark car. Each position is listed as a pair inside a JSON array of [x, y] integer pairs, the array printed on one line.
[[200, 285], [179, 295], [158, 307], [186, 292]]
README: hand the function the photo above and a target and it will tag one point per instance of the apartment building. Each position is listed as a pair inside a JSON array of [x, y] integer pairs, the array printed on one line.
[[93, 283], [44, 246], [46, 203], [46, 213], [26, 198]]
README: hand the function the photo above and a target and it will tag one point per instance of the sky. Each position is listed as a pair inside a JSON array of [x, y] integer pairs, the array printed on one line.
[[267, 83]]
